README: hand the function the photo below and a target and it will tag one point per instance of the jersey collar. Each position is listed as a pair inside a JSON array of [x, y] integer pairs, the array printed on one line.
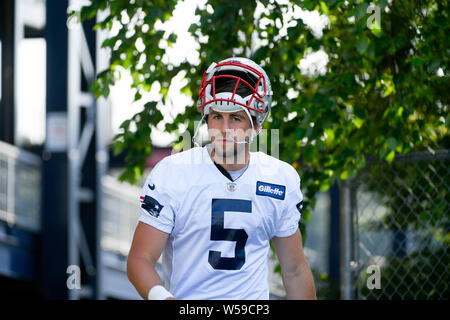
[[221, 169]]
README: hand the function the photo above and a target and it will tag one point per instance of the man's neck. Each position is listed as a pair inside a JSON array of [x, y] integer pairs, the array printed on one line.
[[231, 164]]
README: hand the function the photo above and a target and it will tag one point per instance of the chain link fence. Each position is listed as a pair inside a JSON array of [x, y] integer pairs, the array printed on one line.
[[398, 231]]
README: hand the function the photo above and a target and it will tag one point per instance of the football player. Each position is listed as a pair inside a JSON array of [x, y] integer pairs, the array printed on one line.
[[213, 210]]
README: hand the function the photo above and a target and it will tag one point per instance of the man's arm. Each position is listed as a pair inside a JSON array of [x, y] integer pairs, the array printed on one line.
[[148, 243], [296, 273]]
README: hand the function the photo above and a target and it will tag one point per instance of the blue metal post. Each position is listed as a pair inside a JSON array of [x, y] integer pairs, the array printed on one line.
[[54, 186], [334, 250]]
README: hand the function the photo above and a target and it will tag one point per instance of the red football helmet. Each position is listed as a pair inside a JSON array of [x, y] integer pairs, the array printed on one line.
[[243, 71]]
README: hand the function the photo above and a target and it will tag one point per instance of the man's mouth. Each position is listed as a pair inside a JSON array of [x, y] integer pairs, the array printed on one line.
[[223, 140]]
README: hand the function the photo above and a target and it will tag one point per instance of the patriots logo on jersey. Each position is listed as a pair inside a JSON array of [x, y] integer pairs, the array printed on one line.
[[151, 205]]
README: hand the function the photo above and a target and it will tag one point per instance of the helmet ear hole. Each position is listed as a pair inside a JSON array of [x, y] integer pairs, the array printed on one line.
[[255, 122]]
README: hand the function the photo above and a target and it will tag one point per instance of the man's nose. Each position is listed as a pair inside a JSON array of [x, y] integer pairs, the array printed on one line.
[[225, 126]]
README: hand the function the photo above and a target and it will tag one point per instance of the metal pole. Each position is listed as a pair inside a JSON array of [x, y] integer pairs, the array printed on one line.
[[101, 154], [73, 125], [346, 234], [8, 62], [334, 264], [85, 157], [54, 168]]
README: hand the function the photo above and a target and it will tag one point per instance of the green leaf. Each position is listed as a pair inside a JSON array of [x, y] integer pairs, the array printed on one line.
[[324, 8], [172, 37], [308, 153], [390, 156], [186, 90], [362, 45], [125, 124], [375, 28], [417, 61], [391, 143], [308, 4], [118, 147], [358, 122], [434, 66], [361, 10], [324, 186]]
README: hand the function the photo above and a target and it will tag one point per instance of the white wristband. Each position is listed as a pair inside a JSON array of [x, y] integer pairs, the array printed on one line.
[[159, 293]]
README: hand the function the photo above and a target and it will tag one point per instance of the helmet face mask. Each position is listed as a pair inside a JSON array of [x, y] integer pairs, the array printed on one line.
[[243, 77]]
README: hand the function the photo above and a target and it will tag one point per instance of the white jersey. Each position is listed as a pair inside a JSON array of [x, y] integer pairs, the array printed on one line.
[[220, 229]]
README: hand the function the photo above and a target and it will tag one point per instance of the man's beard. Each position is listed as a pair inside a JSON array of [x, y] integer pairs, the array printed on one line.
[[231, 155]]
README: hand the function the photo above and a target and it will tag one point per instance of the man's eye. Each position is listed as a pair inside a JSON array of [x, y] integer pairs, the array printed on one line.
[[237, 119]]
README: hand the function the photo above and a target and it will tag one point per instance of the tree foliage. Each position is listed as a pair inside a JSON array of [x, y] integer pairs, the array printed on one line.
[[384, 91]]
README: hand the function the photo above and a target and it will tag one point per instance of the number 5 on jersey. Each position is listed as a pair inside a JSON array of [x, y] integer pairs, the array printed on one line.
[[219, 233]]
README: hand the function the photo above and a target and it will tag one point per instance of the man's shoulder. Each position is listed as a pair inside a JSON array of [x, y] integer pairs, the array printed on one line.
[[181, 160], [272, 168], [265, 160], [179, 166], [176, 172]]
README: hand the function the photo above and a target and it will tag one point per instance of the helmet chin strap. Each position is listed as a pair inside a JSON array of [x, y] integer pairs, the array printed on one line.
[[194, 138], [250, 140]]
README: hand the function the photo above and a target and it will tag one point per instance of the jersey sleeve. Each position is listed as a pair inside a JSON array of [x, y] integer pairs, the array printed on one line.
[[157, 203], [287, 223]]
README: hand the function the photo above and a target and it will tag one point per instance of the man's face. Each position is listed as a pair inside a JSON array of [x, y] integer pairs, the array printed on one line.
[[225, 129]]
